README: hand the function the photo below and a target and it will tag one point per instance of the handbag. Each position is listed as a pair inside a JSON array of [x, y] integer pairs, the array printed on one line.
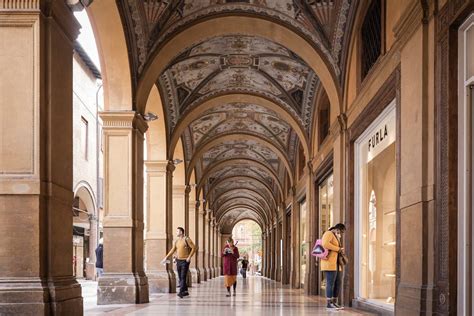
[[319, 251], [342, 259]]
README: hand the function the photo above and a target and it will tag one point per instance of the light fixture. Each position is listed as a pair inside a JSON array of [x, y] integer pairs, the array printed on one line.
[[149, 116], [177, 161]]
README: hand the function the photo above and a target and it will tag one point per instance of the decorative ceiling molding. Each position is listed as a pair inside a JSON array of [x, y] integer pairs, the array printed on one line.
[[239, 64]]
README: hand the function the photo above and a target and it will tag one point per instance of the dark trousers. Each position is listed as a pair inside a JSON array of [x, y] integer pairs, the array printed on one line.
[[243, 272], [183, 268], [333, 283]]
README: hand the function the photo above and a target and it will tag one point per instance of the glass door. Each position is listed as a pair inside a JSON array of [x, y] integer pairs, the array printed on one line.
[[326, 203]]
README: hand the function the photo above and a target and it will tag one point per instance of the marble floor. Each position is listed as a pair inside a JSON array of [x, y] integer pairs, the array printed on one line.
[[255, 296]]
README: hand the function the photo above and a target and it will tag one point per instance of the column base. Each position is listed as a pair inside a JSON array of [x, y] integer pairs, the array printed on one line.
[[213, 272], [122, 289], [162, 281], [278, 275], [195, 275], [26, 296], [209, 273], [204, 276], [218, 272]]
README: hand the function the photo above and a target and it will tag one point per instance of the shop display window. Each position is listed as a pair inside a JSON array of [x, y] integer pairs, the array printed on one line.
[[375, 213]]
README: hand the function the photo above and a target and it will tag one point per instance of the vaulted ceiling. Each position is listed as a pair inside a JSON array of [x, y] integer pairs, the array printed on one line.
[[241, 152]]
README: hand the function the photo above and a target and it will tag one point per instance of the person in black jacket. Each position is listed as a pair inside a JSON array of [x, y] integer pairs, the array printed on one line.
[[99, 258]]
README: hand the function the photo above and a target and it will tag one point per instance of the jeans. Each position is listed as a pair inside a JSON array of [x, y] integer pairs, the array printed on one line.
[[333, 283], [183, 268], [243, 272], [100, 271]]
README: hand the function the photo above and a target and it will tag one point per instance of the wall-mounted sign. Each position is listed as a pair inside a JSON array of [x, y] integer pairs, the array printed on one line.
[[380, 135]]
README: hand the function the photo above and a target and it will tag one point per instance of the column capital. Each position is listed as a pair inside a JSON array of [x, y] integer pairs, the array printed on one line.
[[179, 189], [155, 165], [187, 189], [293, 191], [116, 120], [170, 167]]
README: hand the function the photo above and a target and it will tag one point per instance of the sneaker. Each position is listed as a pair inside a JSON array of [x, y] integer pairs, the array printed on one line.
[[331, 307], [235, 294], [227, 295], [186, 293], [338, 306], [180, 295]]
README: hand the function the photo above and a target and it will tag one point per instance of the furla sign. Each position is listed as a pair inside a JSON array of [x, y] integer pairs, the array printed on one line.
[[381, 133]]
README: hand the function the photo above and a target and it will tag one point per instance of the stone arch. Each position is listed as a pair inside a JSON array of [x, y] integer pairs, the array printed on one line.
[[231, 162], [238, 136], [84, 192], [156, 139], [223, 227], [258, 205], [242, 190], [261, 214], [195, 112], [115, 69], [236, 178], [247, 25]]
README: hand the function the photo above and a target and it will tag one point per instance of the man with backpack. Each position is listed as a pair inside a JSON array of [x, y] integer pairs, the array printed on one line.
[[185, 249]]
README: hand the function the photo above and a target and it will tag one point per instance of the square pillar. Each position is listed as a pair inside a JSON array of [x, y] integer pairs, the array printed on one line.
[[124, 279], [202, 243], [285, 275], [311, 284], [159, 280], [212, 247], [193, 211], [278, 252], [295, 247], [36, 159], [208, 246]]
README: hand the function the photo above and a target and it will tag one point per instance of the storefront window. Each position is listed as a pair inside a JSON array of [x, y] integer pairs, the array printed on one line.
[[303, 241], [465, 288], [325, 213], [376, 210]]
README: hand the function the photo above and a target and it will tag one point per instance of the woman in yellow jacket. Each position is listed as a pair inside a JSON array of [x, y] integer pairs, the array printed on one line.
[[331, 267]]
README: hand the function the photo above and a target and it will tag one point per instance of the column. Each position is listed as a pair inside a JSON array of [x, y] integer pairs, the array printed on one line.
[[311, 284], [156, 230], [285, 275], [178, 217], [193, 211], [278, 252], [124, 280], [208, 246], [213, 247], [274, 254], [218, 251], [202, 243], [267, 253], [36, 160], [295, 240], [179, 212]]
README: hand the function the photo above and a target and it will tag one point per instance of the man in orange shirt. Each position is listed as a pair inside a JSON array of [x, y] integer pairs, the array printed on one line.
[[185, 249]]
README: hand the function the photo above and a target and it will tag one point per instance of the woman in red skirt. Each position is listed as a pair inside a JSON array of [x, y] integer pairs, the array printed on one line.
[[230, 255]]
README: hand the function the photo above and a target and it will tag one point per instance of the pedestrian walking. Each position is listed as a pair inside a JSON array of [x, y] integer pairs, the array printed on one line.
[[230, 255], [185, 249]]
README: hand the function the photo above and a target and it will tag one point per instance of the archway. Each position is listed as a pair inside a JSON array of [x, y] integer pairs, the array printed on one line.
[[85, 232], [248, 234]]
